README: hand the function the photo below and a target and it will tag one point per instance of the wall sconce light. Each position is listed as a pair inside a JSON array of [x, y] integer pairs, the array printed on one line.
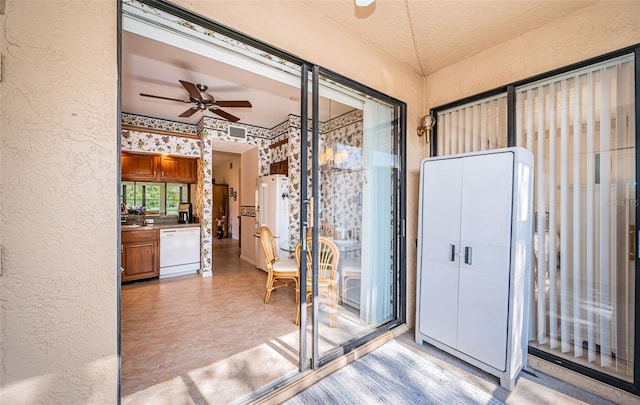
[[426, 124]]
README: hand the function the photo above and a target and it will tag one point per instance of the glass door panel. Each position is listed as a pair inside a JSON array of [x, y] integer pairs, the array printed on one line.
[[580, 127], [356, 202]]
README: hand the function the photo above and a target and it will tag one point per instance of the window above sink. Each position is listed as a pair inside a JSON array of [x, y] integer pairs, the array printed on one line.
[[157, 198]]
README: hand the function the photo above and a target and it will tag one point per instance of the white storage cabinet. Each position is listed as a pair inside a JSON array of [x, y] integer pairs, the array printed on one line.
[[474, 257]]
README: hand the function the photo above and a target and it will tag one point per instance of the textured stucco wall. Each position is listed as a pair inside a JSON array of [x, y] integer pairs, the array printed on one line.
[[605, 27], [58, 203]]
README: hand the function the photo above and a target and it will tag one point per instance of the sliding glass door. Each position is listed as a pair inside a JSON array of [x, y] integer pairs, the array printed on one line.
[[581, 128], [329, 172], [355, 229]]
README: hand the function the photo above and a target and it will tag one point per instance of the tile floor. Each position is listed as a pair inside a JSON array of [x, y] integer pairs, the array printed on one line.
[[212, 340], [194, 340]]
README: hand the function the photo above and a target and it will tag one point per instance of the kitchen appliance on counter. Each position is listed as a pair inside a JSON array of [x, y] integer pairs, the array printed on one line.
[[272, 210], [123, 213], [179, 251], [184, 213]]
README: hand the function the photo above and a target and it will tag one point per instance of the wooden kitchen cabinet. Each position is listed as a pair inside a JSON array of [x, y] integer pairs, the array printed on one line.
[[141, 167], [158, 168], [140, 254], [178, 170], [281, 167]]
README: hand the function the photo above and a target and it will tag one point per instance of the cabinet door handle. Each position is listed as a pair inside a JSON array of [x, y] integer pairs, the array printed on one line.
[[162, 174], [452, 253], [121, 248], [154, 173], [467, 255]]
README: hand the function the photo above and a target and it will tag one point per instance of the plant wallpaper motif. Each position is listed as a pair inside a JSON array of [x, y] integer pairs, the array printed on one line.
[[341, 185], [221, 41], [209, 129], [157, 123]]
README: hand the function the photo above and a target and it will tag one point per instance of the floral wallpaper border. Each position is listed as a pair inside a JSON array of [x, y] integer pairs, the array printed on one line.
[[248, 211], [343, 131], [158, 123], [141, 10]]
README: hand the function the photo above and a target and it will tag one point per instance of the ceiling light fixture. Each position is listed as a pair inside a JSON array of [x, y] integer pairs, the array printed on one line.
[[363, 3]]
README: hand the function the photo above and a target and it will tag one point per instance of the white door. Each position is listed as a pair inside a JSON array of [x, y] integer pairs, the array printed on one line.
[[485, 237], [442, 181]]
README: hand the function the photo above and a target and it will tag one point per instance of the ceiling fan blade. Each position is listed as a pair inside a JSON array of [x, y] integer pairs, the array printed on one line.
[[225, 114], [191, 89], [235, 103], [164, 98], [189, 112]]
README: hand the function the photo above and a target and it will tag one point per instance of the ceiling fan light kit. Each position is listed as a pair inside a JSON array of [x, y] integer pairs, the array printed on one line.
[[204, 101], [363, 3]]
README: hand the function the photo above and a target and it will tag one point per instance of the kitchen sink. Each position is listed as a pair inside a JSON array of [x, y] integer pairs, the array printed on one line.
[[130, 226]]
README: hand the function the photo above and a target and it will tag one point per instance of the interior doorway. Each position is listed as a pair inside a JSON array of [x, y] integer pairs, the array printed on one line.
[[223, 322]]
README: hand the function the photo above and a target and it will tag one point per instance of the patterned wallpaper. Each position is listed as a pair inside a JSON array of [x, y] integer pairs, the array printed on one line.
[[174, 145], [209, 129], [157, 123], [341, 185], [189, 28]]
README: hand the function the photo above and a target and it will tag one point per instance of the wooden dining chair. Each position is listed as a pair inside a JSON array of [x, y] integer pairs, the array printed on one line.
[[280, 273], [326, 229], [328, 261]]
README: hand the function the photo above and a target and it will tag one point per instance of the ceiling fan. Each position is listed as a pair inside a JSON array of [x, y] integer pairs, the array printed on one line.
[[204, 101]]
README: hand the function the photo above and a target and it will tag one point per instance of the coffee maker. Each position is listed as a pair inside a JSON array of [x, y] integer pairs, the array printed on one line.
[[184, 213]]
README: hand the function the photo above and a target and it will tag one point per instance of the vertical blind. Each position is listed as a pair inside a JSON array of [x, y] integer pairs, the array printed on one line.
[[580, 127], [472, 127]]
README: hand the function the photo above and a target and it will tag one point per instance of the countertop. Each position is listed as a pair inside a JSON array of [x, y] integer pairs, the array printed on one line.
[[151, 227]]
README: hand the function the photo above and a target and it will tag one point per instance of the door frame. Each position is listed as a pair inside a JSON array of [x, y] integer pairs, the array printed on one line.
[[307, 363]]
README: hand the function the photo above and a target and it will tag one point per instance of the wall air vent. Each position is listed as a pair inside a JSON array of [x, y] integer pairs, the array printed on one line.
[[237, 132]]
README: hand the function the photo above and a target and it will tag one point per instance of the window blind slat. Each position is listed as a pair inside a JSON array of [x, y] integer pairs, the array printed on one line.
[[541, 208], [553, 302], [483, 126], [577, 220], [475, 139], [460, 131], [520, 113], [564, 218], [605, 190], [468, 129], [590, 219]]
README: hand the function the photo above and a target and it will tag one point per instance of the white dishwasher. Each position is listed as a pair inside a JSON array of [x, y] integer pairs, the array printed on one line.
[[179, 251]]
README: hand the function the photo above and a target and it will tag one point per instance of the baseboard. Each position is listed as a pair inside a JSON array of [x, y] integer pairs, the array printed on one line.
[[246, 259]]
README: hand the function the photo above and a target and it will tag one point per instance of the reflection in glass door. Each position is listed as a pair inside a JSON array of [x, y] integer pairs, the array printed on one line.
[[580, 127], [356, 200]]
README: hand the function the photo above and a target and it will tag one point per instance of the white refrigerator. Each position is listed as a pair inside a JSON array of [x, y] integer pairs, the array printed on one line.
[[272, 210]]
